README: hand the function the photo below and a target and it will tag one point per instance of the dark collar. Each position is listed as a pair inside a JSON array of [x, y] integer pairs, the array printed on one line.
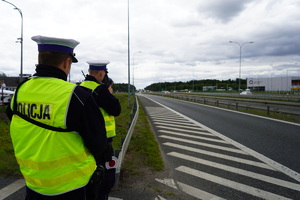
[[50, 71], [90, 78]]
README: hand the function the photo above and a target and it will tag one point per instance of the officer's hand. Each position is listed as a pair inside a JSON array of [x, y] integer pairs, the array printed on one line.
[[110, 89]]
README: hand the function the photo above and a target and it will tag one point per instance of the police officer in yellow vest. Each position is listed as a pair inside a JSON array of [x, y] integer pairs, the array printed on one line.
[[98, 81], [58, 133]]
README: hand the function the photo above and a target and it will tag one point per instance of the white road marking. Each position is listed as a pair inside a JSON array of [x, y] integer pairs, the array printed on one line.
[[204, 144], [185, 123], [174, 125], [218, 155], [291, 173], [168, 181], [186, 130], [261, 177], [193, 136], [159, 198], [231, 184], [195, 192], [168, 120], [12, 188], [169, 115]]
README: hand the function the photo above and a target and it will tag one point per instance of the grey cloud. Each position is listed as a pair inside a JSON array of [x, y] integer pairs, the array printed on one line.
[[279, 42], [187, 23], [223, 10], [294, 66]]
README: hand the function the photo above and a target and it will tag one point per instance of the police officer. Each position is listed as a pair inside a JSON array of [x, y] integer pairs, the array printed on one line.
[[58, 134], [101, 84]]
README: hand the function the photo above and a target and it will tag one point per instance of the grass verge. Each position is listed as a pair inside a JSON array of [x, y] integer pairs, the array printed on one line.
[[143, 149], [8, 163]]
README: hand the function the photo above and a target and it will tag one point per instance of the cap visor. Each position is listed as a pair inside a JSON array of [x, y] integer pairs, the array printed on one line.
[[74, 60]]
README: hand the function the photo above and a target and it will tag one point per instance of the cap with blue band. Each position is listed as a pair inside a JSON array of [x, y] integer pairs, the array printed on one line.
[[98, 65], [58, 45]]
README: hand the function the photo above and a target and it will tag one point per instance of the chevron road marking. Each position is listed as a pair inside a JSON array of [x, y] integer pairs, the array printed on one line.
[[289, 172], [200, 194], [193, 136], [242, 172], [169, 129], [159, 198], [12, 188], [184, 123], [198, 131], [218, 155], [231, 184], [174, 125], [205, 144]]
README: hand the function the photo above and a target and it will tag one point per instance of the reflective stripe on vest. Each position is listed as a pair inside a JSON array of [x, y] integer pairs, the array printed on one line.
[[51, 162], [110, 124]]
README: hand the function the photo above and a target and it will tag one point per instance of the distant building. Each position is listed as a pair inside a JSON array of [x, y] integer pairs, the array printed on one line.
[[13, 81], [209, 88], [273, 83]]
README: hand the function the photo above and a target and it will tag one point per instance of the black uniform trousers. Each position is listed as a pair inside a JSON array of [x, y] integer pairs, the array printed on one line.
[[78, 194]]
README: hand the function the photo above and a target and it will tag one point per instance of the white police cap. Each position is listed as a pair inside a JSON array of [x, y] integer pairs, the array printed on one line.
[[58, 45], [98, 64]]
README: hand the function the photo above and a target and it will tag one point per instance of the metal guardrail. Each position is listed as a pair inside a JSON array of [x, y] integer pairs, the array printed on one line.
[[121, 153], [285, 108]]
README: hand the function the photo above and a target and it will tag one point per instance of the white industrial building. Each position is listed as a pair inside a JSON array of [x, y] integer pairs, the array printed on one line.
[[289, 83]]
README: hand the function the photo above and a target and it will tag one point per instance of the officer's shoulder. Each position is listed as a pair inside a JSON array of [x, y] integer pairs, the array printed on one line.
[[82, 93], [83, 90]]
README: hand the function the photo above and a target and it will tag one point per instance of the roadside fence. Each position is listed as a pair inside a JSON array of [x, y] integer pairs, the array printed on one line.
[[291, 109], [120, 153]]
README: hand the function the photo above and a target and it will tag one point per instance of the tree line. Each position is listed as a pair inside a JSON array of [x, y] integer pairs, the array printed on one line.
[[197, 85]]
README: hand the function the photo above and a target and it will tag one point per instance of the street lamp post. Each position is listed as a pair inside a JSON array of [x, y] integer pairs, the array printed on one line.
[[20, 39], [240, 70], [133, 69], [128, 54]]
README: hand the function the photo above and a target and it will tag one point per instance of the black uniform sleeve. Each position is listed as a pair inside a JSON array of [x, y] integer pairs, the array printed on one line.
[[106, 100], [9, 112], [85, 117]]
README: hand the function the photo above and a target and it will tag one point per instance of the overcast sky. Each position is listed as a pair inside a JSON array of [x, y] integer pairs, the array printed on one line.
[[170, 40]]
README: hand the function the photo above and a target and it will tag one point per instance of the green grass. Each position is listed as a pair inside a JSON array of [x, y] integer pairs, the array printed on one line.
[[143, 149], [148, 155], [8, 163], [123, 120]]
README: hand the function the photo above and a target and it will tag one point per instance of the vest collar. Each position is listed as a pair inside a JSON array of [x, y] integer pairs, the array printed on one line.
[[50, 71]]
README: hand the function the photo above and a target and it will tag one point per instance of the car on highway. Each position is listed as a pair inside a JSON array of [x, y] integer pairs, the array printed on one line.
[[6, 96], [246, 92]]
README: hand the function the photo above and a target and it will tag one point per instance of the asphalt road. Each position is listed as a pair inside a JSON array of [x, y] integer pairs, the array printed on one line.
[[277, 140], [205, 147]]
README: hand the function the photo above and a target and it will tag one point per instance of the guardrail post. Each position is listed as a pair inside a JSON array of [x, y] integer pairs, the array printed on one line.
[[236, 105], [268, 110], [117, 152], [122, 140]]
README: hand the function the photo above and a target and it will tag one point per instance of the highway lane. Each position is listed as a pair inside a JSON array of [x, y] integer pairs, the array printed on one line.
[[207, 165], [277, 140]]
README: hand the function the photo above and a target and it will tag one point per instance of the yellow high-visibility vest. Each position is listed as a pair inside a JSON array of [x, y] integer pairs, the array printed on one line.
[[110, 124], [51, 162]]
